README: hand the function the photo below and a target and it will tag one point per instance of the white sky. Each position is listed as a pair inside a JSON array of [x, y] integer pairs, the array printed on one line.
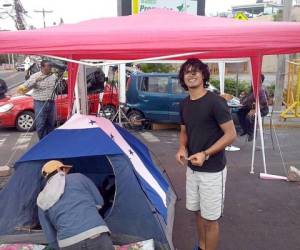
[[73, 11]]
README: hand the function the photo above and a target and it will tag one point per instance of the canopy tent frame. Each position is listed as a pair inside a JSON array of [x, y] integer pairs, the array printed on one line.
[[154, 35]]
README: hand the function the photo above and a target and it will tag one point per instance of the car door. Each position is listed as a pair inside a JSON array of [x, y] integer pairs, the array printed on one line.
[[153, 97], [177, 93], [61, 102]]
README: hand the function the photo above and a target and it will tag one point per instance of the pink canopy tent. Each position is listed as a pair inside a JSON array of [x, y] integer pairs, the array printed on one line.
[[158, 33]]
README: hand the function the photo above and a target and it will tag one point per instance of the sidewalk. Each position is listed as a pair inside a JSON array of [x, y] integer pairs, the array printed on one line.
[[279, 122]]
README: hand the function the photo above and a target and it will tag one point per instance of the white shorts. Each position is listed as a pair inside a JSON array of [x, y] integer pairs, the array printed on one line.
[[205, 192]]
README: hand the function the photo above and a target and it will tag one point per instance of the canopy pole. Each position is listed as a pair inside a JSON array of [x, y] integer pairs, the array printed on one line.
[[254, 138], [222, 76], [262, 138], [255, 65], [77, 98]]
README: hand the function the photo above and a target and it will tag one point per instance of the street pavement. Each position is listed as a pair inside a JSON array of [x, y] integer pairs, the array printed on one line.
[[12, 78], [12, 145], [258, 214]]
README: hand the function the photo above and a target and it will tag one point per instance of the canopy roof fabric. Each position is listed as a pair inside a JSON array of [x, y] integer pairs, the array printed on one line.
[[156, 33]]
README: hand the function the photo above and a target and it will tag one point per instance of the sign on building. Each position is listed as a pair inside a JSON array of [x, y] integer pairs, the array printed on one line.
[[188, 6], [240, 16]]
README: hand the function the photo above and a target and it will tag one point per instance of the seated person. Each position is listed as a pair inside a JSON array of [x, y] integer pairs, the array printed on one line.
[[246, 114]]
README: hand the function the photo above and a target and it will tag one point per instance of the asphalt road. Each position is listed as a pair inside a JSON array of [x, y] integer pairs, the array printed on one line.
[[12, 78], [259, 214]]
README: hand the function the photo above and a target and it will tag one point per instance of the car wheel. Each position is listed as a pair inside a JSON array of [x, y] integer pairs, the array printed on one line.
[[136, 119], [25, 121], [109, 111]]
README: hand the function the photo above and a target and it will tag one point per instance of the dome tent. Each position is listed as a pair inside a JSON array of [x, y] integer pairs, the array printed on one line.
[[142, 203]]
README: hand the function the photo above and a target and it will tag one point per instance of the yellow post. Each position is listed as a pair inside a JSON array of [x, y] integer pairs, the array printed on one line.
[[298, 94], [135, 6], [292, 101]]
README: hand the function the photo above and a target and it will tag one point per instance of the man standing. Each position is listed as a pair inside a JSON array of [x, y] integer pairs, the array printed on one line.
[[43, 84], [68, 210], [206, 129]]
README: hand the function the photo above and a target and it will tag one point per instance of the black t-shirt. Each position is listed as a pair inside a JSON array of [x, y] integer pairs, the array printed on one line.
[[202, 119]]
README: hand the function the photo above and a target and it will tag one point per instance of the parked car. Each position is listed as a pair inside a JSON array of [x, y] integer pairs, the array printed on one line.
[[155, 97], [18, 111], [20, 67]]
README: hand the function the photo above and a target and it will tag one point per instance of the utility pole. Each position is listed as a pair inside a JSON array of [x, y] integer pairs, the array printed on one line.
[[279, 86], [20, 23], [44, 16], [18, 15]]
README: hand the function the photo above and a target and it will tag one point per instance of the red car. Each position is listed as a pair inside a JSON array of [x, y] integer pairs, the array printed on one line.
[[18, 111]]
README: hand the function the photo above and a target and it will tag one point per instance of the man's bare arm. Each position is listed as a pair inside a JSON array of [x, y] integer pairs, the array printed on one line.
[[226, 140], [181, 153]]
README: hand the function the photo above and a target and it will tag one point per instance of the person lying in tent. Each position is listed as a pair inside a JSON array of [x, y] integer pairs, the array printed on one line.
[[246, 114], [68, 210]]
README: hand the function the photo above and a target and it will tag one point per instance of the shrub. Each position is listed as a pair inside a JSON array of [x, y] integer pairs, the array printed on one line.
[[271, 90], [231, 86]]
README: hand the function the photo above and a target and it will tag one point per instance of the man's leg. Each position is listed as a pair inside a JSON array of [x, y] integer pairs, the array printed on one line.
[[250, 127], [211, 234], [212, 194], [102, 242], [40, 118], [193, 203], [242, 114], [201, 230], [50, 125]]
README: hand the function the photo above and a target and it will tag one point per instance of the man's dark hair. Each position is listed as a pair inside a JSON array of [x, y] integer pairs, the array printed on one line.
[[194, 64], [262, 78], [44, 62]]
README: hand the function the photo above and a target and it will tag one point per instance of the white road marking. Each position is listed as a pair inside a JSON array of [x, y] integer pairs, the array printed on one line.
[[23, 141], [2, 140], [149, 137]]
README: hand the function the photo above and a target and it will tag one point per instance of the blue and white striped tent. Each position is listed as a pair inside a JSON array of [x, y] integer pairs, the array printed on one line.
[[143, 201]]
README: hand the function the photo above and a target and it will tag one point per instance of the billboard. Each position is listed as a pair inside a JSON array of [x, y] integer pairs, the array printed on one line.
[[188, 6]]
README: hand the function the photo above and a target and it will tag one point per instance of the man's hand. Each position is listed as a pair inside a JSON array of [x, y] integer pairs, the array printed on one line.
[[22, 89], [197, 159], [251, 113], [181, 156]]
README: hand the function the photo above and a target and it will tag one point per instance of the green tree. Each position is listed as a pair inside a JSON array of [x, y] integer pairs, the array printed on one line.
[[3, 59], [231, 86], [157, 67], [278, 16]]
